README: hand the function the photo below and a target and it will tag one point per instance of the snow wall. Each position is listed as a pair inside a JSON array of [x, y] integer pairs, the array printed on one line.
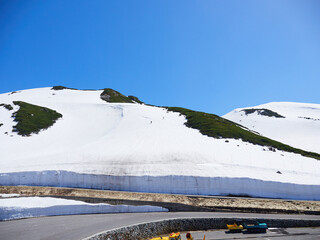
[[192, 185], [26, 207]]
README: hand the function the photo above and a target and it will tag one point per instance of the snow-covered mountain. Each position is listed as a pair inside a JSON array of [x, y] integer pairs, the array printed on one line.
[[136, 147], [296, 124]]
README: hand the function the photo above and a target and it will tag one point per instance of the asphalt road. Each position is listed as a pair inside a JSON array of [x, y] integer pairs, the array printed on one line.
[[81, 226]]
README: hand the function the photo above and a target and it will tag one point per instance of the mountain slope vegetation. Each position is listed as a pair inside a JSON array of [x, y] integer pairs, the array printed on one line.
[[217, 127], [294, 124], [263, 112], [32, 118], [113, 96]]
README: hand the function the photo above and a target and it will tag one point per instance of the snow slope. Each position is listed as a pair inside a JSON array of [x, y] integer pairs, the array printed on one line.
[[26, 207], [300, 128], [134, 147]]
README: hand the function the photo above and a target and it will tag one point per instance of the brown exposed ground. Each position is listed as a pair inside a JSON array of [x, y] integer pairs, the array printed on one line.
[[171, 201]]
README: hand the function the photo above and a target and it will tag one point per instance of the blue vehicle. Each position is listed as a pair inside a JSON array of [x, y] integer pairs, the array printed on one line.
[[255, 227]]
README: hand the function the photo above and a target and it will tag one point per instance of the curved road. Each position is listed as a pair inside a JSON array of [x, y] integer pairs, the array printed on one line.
[[272, 233], [82, 226]]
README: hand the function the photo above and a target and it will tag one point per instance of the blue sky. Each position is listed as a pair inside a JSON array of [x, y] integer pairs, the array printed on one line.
[[211, 56]]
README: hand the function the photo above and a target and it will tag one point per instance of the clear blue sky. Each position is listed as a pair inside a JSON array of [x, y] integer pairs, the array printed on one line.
[[211, 56]]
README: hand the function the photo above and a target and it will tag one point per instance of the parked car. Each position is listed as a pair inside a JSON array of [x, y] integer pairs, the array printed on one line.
[[255, 227], [235, 227]]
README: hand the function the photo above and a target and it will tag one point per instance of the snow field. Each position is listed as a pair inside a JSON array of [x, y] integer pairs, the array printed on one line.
[[5, 195], [26, 207], [300, 128]]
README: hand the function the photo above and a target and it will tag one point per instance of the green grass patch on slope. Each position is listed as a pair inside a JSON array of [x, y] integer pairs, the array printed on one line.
[[112, 96], [7, 106], [32, 118], [61, 88], [218, 127], [263, 112], [135, 99]]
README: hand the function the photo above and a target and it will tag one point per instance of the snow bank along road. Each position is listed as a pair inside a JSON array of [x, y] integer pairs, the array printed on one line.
[[135, 147], [26, 207], [81, 226]]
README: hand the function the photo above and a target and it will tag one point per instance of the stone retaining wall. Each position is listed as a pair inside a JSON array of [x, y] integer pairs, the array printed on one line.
[[147, 230]]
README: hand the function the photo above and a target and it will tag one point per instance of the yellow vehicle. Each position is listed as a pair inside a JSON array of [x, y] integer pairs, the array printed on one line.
[[172, 236], [235, 227], [175, 236]]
